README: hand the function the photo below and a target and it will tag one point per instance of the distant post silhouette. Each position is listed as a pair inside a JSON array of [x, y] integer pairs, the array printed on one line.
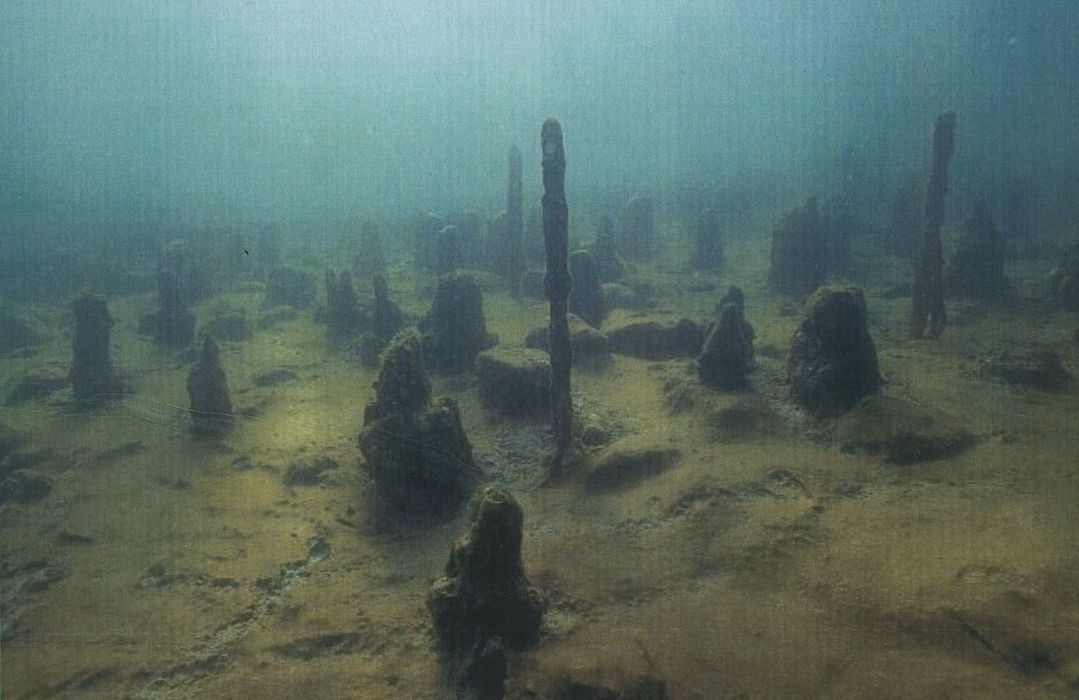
[[927, 292]]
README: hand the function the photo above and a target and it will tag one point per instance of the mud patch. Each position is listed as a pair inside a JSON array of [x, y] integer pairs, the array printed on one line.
[[329, 644]]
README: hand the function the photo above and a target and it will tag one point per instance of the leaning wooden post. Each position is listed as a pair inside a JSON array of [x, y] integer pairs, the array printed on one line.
[[927, 292], [557, 284]]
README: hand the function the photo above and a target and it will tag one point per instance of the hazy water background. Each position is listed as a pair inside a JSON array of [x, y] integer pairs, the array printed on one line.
[[120, 114]]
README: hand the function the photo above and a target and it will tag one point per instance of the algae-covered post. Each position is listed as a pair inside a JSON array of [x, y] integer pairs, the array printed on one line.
[[485, 605], [927, 292], [515, 223], [208, 391], [557, 286], [93, 378]]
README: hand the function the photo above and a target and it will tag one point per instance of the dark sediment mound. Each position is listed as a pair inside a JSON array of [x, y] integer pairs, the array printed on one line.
[[745, 418], [208, 391], [656, 339], [625, 465], [833, 361], [416, 450], [1031, 367], [727, 356], [977, 269], [899, 432], [455, 329], [590, 347], [484, 605], [276, 316], [16, 333], [36, 385], [273, 377], [25, 486], [93, 377], [287, 286], [515, 382], [309, 472], [228, 325], [798, 264], [586, 294]]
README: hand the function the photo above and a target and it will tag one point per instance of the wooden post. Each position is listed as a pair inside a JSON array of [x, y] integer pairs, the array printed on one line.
[[557, 284], [927, 292], [515, 223]]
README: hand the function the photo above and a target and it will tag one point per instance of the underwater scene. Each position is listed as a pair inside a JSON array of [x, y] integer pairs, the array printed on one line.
[[549, 349]]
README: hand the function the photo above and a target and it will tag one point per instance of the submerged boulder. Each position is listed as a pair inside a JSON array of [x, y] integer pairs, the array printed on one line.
[[515, 382], [833, 362], [455, 329], [417, 452], [590, 347], [656, 338]]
